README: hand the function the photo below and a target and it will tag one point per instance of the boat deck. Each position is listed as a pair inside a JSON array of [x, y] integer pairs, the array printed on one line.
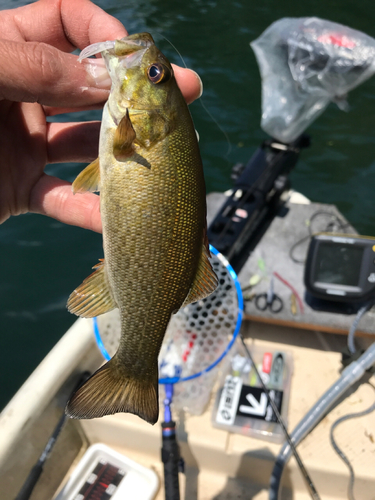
[[219, 465]]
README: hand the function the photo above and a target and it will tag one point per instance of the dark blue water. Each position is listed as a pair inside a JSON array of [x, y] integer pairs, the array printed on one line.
[[42, 260]]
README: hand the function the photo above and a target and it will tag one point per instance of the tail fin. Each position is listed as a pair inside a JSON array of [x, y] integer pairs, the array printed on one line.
[[109, 390]]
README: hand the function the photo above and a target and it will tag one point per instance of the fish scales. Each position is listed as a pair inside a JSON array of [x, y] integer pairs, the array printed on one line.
[[153, 208], [153, 248]]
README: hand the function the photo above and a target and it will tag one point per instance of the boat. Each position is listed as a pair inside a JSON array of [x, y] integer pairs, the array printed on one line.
[[218, 463], [69, 457]]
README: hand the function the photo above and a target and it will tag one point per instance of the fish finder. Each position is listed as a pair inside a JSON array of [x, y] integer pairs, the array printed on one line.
[[341, 267]]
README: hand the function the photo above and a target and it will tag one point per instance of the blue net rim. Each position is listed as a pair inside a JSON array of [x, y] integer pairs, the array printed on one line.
[[175, 380]]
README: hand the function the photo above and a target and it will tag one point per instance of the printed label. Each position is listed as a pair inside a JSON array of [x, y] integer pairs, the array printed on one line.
[[253, 402], [228, 404]]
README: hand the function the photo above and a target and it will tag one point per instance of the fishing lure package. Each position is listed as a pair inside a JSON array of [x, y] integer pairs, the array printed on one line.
[[242, 406]]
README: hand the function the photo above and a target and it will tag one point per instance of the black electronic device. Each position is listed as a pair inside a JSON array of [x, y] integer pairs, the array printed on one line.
[[254, 198], [341, 267]]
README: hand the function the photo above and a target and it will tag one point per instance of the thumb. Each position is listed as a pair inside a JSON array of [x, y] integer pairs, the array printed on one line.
[[38, 72]]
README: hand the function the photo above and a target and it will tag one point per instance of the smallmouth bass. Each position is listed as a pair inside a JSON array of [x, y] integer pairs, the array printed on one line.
[[153, 208]]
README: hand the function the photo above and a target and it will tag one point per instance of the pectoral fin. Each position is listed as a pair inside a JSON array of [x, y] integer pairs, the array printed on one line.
[[205, 281], [93, 296], [124, 138], [88, 179]]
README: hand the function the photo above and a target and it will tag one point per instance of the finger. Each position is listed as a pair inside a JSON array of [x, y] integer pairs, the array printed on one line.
[[65, 24], [36, 72], [189, 82], [77, 142], [53, 197], [54, 111]]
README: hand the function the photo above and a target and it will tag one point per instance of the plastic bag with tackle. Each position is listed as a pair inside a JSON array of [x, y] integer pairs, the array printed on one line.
[[305, 63]]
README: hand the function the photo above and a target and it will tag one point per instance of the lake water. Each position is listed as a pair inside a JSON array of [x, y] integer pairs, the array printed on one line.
[[42, 260]]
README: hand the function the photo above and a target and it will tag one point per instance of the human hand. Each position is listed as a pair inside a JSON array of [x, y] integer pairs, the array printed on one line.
[[40, 78]]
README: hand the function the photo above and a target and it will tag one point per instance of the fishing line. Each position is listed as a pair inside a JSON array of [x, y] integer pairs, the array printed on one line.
[[309, 483], [202, 103], [175, 48], [229, 150]]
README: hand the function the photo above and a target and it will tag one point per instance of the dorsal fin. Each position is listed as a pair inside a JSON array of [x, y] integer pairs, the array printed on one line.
[[93, 296]]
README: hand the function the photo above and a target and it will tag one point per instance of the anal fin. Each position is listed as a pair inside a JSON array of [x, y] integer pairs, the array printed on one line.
[[88, 179], [112, 390], [93, 296], [205, 281]]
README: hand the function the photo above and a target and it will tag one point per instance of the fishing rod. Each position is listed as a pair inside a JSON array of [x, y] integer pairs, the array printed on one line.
[[170, 451], [35, 473]]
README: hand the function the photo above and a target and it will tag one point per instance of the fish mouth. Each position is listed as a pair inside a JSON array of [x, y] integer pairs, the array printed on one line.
[[119, 56], [129, 49]]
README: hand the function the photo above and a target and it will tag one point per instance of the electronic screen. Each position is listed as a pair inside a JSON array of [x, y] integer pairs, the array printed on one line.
[[340, 267], [338, 264]]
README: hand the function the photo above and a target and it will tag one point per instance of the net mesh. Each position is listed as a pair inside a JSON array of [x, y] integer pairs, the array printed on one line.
[[197, 338]]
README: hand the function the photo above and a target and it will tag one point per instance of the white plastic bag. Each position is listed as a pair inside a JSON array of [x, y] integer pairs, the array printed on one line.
[[305, 63]]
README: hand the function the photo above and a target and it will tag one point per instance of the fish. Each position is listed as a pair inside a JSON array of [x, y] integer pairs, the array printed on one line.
[[153, 207]]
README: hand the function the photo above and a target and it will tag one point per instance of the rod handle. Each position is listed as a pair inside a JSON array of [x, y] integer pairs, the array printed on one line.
[[170, 455], [30, 482]]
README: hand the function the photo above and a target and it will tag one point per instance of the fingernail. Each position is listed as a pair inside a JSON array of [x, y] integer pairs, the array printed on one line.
[[98, 73], [200, 83]]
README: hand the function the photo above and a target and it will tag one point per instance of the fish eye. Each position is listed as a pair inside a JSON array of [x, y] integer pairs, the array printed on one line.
[[157, 73]]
